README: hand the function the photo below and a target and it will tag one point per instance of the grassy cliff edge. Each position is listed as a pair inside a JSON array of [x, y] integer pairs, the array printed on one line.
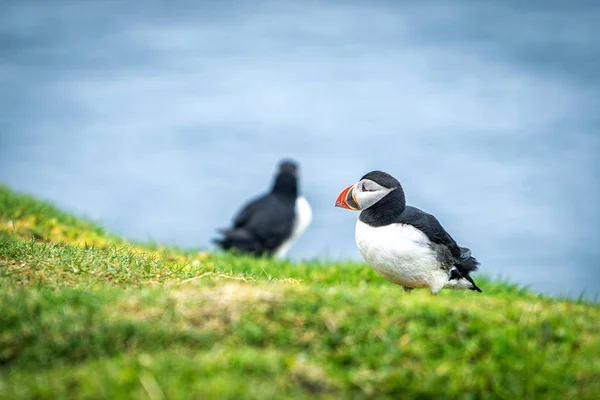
[[84, 313]]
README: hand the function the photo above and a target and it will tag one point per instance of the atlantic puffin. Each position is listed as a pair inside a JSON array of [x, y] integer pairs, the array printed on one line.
[[270, 224], [403, 244]]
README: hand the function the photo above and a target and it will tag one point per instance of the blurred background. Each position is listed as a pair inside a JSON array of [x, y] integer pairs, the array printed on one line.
[[160, 119]]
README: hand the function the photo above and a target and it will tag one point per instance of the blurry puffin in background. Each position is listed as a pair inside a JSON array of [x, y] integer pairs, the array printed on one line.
[[270, 224], [402, 243]]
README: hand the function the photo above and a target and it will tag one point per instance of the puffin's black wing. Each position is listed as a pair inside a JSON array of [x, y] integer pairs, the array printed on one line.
[[431, 227], [261, 226], [249, 210], [270, 219], [238, 237]]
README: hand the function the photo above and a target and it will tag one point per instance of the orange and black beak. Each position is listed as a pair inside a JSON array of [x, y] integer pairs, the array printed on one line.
[[347, 200]]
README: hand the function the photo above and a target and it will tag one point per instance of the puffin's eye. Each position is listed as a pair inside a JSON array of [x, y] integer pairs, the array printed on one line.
[[365, 189]]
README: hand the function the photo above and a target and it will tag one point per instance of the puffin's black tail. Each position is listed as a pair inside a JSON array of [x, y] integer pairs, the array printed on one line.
[[465, 265], [238, 240], [475, 287]]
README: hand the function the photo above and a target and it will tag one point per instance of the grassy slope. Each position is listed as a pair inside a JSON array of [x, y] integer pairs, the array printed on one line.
[[87, 314]]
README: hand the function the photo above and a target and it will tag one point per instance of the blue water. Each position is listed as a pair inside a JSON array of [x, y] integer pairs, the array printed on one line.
[[160, 121]]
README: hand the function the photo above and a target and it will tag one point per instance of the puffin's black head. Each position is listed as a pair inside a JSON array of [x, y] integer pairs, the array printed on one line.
[[286, 181], [288, 166], [376, 187], [383, 179]]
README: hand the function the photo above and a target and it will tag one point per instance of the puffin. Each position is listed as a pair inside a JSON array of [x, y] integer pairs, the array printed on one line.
[[405, 245], [270, 224]]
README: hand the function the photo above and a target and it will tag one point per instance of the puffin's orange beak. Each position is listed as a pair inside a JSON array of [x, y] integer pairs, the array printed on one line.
[[347, 200]]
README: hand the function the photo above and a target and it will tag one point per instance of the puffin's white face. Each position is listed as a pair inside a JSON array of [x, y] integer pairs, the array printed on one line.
[[363, 194]]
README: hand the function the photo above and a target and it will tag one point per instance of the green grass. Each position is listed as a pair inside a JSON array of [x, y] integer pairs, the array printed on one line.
[[85, 314]]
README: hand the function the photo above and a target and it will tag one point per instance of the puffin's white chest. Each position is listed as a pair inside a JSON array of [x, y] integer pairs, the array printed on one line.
[[303, 218], [401, 254]]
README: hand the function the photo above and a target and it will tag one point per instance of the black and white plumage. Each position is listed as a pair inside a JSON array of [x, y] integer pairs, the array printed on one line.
[[270, 224], [405, 245]]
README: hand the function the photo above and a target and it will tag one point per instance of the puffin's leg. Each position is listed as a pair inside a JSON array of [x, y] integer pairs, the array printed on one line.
[[407, 289]]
